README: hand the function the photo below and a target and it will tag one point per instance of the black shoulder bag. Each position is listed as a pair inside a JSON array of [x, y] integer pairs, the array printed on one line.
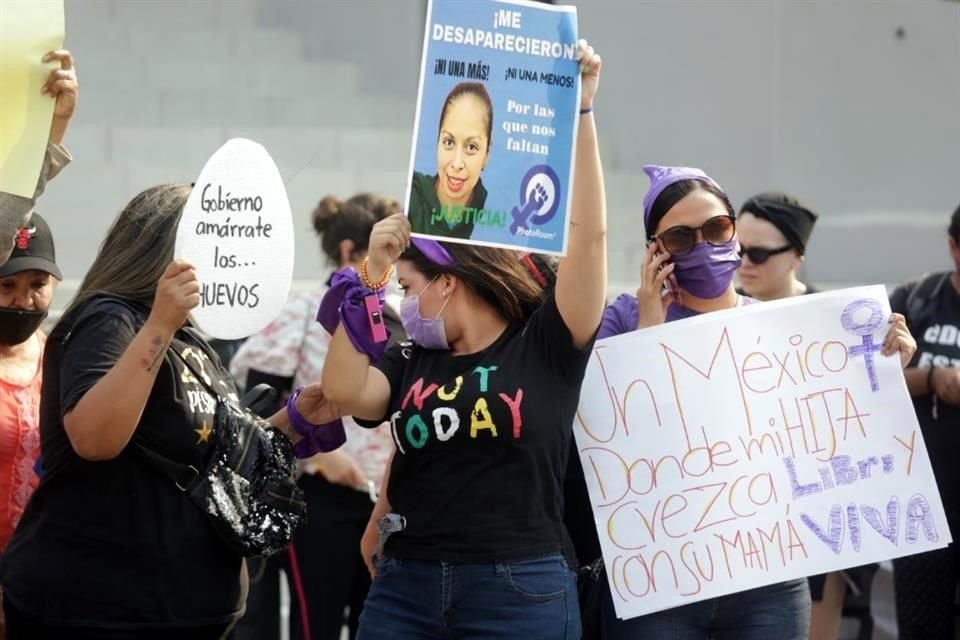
[[248, 489]]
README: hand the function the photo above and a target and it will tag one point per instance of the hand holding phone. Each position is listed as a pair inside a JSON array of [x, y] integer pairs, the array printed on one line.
[[657, 290]]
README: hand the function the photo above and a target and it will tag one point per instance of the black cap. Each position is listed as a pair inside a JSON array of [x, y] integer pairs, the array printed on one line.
[[794, 220], [32, 250]]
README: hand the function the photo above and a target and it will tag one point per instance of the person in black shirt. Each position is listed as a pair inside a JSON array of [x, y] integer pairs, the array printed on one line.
[[926, 584], [774, 229], [481, 404], [108, 547]]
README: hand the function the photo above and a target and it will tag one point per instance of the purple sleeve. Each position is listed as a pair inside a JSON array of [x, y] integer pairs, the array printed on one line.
[[621, 316]]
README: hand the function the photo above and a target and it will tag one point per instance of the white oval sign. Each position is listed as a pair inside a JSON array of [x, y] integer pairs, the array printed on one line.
[[238, 231]]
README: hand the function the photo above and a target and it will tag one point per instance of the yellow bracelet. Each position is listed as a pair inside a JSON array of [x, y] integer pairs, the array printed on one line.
[[365, 278]]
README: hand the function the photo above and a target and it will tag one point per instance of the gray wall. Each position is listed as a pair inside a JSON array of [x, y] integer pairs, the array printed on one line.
[[822, 99]]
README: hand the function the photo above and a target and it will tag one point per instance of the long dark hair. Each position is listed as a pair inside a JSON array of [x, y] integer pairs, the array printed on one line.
[[677, 192], [495, 275], [138, 247]]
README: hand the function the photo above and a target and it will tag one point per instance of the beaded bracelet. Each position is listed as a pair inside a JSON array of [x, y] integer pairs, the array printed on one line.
[[365, 278]]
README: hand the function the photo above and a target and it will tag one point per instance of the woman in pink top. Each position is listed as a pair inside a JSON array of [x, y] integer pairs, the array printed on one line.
[[28, 275], [27, 282]]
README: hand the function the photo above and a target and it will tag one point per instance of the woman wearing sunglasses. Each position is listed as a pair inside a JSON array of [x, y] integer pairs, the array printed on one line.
[[773, 229], [688, 269]]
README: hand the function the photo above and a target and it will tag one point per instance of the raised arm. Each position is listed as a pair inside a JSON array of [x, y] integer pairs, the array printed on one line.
[[349, 381], [102, 422], [62, 86], [15, 210], [582, 275]]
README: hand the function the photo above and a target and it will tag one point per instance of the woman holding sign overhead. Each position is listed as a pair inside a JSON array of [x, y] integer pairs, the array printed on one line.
[[109, 546], [688, 270], [468, 532]]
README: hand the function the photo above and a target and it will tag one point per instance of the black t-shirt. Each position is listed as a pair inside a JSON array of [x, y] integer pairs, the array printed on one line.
[[114, 544], [936, 329], [482, 443]]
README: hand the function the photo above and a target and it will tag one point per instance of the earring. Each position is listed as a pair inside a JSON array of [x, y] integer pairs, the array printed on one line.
[[444, 294]]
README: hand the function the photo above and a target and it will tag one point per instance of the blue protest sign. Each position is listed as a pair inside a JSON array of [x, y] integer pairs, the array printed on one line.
[[492, 157]]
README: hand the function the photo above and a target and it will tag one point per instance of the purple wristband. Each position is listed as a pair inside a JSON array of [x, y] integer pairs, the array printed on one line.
[[316, 437], [344, 303]]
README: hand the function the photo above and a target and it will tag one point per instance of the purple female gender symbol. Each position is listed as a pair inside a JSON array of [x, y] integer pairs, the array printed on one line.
[[866, 329]]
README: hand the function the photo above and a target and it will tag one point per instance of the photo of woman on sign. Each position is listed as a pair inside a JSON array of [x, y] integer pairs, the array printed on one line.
[[443, 204]]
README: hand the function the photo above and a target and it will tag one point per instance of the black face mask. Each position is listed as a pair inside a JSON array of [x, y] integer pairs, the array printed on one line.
[[17, 325]]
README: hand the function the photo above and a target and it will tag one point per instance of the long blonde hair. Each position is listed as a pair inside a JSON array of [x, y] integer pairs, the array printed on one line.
[[138, 247]]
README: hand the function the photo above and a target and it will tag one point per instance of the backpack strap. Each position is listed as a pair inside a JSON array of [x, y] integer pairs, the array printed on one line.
[[922, 294]]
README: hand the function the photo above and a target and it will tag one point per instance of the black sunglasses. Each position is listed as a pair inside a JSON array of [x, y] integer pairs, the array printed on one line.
[[682, 239], [758, 255]]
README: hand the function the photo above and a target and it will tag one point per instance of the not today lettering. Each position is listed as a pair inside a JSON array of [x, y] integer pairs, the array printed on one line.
[[445, 421]]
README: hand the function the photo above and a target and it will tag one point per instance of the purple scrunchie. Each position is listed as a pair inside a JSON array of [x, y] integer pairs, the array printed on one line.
[[316, 438], [343, 302], [322, 438]]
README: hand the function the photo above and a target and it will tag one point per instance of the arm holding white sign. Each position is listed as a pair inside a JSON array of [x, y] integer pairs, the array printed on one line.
[[62, 86]]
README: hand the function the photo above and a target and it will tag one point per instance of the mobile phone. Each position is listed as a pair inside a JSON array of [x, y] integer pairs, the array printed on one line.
[[667, 287], [375, 316]]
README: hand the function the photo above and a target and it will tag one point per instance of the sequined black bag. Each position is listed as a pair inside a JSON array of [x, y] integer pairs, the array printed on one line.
[[249, 488]]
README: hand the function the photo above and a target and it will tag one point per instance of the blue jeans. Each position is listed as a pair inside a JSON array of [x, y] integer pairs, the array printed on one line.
[[780, 611], [413, 600]]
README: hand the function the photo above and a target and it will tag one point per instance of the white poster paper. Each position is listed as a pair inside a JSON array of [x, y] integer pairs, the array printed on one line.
[[746, 447], [238, 231]]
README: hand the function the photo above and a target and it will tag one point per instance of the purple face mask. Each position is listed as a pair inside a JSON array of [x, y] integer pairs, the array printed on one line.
[[707, 270], [429, 333]]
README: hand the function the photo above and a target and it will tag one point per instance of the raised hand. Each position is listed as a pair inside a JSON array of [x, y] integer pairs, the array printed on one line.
[[655, 272], [390, 237], [178, 292], [590, 63], [62, 84]]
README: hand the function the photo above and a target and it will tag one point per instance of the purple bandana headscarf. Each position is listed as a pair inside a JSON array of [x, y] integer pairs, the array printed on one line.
[[433, 251], [663, 177]]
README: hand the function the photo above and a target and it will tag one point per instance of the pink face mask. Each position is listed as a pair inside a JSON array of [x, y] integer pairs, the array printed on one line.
[[429, 333]]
